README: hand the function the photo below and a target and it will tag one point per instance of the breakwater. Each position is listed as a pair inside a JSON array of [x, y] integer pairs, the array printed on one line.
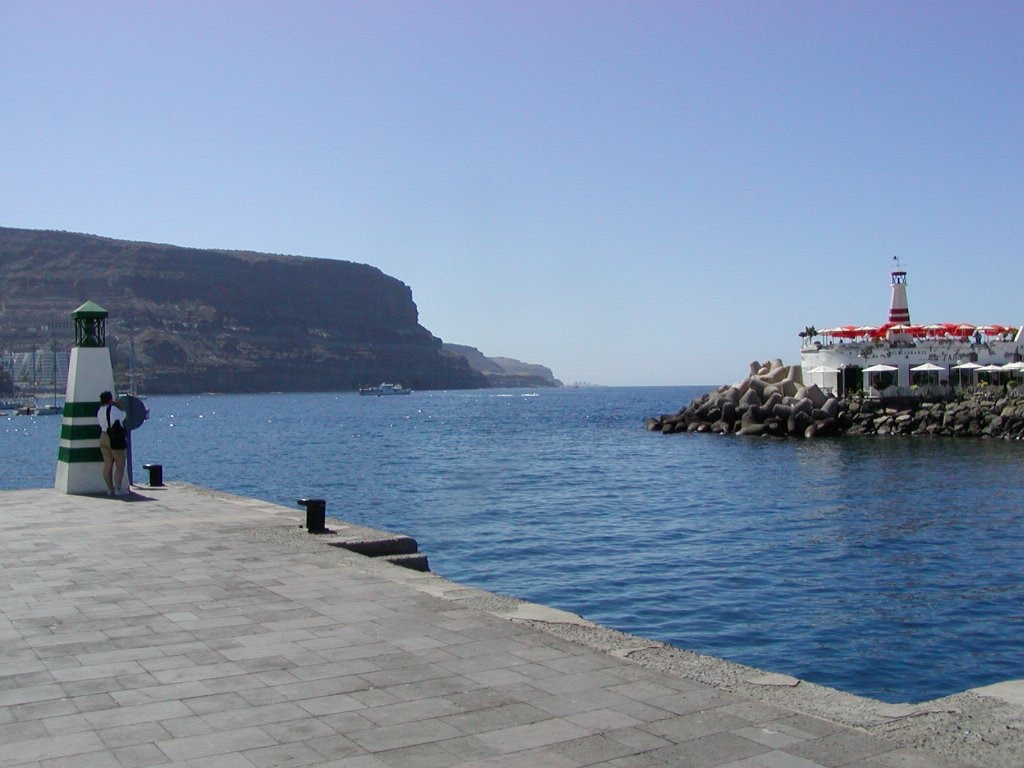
[[773, 400]]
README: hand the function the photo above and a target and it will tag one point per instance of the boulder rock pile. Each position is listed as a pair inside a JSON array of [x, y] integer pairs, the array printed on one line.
[[772, 400]]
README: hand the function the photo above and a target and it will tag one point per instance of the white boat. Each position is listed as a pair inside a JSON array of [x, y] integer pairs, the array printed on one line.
[[895, 357], [384, 388]]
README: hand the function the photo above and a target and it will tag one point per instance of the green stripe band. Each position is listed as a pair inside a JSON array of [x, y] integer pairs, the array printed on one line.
[[80, 432], [79, 455], [78, 410]]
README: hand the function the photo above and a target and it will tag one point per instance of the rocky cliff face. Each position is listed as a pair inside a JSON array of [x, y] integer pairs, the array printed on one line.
[[224, 321]]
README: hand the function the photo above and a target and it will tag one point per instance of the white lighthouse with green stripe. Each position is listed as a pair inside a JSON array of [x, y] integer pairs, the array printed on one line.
[[79, 462]]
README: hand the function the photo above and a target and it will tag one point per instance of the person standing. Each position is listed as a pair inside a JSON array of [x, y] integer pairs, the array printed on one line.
[[114, 450]]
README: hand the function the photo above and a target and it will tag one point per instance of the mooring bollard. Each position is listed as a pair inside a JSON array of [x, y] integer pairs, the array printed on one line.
[[316, 514], [156, 474]]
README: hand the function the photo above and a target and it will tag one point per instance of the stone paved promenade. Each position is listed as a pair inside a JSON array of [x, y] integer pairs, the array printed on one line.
[[183, 627]]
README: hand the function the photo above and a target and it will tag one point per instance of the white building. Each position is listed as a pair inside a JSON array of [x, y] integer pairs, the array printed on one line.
[[903, 355]]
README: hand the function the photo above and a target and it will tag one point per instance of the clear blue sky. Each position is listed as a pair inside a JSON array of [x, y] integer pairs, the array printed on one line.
[[627, 192]]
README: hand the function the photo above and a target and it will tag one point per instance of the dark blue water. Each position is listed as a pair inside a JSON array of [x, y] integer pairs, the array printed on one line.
[[889, 567]]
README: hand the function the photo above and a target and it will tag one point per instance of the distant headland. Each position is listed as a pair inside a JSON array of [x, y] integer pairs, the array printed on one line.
[[504, 371], [200, 320]]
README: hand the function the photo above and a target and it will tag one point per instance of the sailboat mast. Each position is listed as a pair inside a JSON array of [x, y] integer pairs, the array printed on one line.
[[133, 388]]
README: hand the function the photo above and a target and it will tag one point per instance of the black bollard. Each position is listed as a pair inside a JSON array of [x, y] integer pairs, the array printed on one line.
[[156, 474], [316, 514]]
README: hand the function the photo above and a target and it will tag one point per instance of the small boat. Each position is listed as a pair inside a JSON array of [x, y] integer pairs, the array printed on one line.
[[49, 410], [385, 389]]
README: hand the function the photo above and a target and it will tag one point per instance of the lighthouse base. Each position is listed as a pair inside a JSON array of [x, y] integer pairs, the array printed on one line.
[[80, 477]]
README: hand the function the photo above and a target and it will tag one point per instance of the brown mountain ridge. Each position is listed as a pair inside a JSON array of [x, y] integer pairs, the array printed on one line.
[[223, 321]]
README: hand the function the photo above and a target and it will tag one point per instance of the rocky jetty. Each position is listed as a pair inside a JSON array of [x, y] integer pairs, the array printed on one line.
[[773, 400]]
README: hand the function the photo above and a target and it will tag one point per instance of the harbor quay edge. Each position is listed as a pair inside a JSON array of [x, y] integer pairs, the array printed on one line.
[[182, 624]]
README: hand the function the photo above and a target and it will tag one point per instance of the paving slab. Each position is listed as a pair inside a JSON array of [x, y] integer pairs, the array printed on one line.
[[181, 626]]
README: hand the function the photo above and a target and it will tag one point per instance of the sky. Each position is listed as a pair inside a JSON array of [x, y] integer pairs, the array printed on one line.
[[630, 192]]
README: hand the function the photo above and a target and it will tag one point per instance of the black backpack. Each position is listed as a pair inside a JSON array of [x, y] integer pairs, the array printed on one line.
[[118, 434]]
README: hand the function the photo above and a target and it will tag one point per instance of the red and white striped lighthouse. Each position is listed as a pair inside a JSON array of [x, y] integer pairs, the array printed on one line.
[[898, 310]]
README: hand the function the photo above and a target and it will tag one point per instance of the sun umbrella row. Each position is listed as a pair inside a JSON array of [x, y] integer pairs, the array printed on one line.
[[935, 330]]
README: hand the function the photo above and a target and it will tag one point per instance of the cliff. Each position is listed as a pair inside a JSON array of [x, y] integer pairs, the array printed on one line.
[[224, 321], [505, 371]]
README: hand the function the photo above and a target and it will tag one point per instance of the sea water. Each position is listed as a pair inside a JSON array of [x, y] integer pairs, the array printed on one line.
[[891, 567]]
